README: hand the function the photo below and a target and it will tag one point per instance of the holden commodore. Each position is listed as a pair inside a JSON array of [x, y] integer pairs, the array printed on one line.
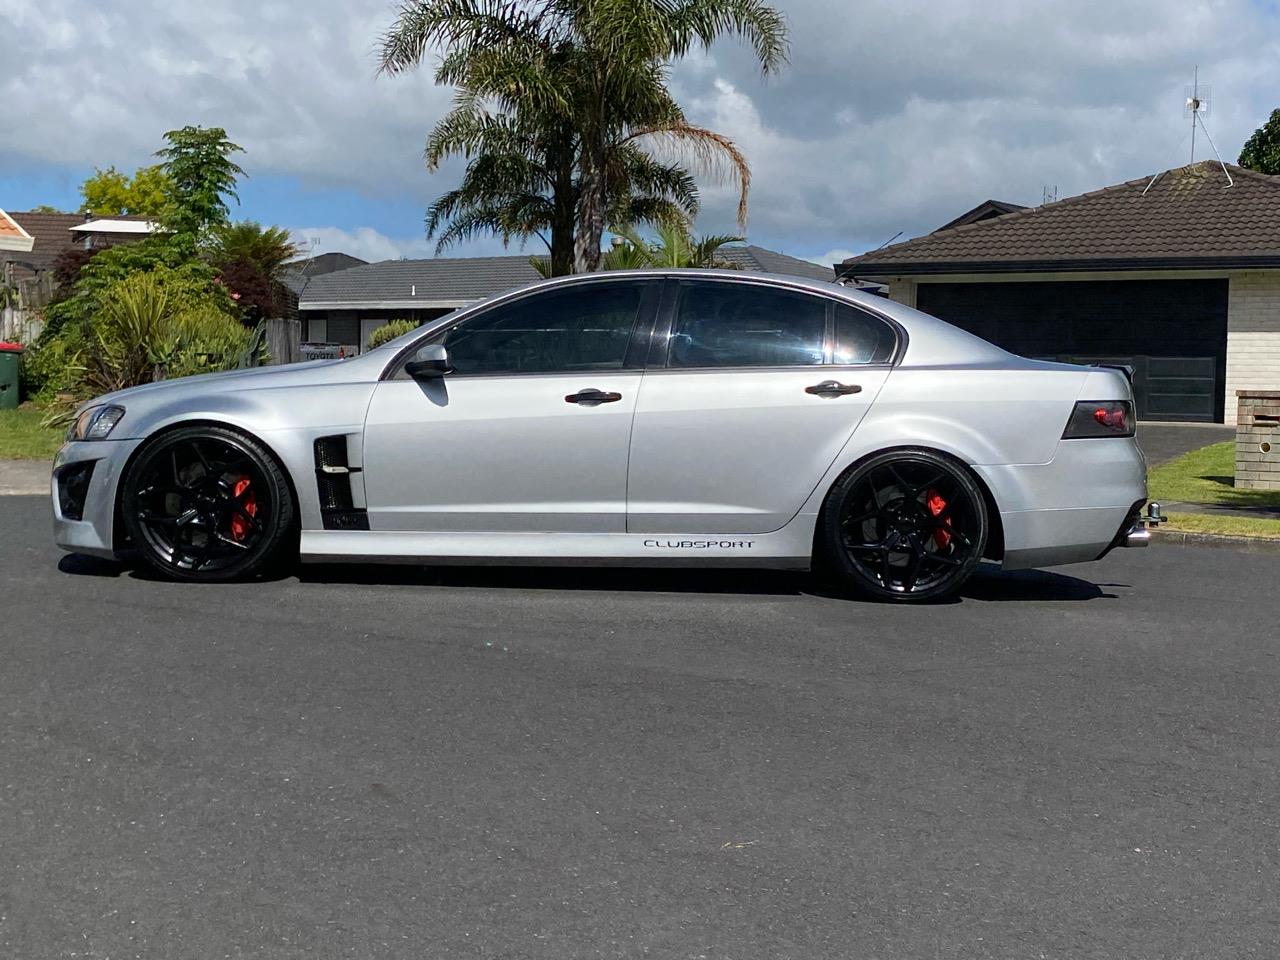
[[709, 418]]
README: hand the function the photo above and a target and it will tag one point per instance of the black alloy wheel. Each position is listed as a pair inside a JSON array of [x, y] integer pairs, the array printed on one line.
[[206, 503], [905, 526]]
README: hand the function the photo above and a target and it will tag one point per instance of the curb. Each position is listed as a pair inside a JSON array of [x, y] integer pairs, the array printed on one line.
[[21, 478], [1219, 541]]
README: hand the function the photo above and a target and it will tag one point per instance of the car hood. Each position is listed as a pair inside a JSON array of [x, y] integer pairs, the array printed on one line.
[[253, 378]]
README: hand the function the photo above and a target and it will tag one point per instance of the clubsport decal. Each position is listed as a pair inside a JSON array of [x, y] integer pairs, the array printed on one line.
[[700, 544]]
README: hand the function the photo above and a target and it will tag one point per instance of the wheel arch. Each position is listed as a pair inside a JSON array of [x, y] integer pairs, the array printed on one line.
[[118, 533], [995, 537]]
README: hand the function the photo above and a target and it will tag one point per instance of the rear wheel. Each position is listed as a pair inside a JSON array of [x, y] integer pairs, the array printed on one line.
[[206, 503], [905, 526]]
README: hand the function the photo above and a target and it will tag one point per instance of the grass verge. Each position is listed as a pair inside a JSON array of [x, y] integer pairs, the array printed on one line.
[[1206, 475], [1223, 525], [23, 435]]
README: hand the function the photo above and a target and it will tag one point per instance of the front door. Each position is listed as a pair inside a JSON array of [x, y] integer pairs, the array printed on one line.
[[529, 433], [757, 392]]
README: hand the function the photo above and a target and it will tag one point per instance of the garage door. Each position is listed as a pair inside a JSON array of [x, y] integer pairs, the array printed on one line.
[[1173, 332]]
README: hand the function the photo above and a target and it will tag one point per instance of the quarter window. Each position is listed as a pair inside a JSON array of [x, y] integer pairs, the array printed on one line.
[[746, 325], [862, 338], [585, 328]]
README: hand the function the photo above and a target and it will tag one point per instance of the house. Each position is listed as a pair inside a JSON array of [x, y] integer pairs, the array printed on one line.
[[27, 262], [1176, 274], [53, 234], [345, 306]]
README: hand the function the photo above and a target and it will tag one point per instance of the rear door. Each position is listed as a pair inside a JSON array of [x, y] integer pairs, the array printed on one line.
[[751, 391]]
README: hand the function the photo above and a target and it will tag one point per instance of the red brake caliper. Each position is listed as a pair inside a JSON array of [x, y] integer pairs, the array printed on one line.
[[240, 526], [936, 506]]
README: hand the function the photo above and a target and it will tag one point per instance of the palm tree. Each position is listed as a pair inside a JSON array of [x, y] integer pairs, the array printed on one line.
[[675, 246], [251, 260], [267, 248], [520, 182], [589, 77]]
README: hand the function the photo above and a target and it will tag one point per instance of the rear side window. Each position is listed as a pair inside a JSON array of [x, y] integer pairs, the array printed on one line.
[[746, 325], [862, 338], [585, 328]]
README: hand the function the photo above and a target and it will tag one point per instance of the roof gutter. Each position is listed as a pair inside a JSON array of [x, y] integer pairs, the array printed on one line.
[[871, 268]]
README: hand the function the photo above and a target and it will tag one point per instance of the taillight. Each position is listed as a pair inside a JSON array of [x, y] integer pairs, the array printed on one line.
[[1100, 418]]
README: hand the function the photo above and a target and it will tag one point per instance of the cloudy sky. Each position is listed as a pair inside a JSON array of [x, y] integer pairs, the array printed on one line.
[[892, 116]]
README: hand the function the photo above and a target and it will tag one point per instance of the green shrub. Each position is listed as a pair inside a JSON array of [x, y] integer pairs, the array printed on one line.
[[389, 331], [158, 325]]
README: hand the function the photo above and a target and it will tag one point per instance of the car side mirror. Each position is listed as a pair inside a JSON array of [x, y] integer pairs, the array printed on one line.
[[429, 363]]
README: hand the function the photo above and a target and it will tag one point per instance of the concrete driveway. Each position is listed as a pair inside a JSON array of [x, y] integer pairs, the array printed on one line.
[[378, 763]]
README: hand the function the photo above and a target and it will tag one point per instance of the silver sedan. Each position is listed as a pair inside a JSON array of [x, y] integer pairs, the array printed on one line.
[[709, 418]]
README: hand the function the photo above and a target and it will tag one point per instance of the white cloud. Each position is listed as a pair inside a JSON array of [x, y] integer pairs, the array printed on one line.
[[363, 242], [896, 117]]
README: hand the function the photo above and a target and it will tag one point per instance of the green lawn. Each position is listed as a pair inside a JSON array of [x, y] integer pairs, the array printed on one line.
[[1206, 475], [24, 437]]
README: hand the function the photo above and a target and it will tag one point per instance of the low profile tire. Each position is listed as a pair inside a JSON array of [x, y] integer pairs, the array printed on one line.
[[905, 526], [206, 504]]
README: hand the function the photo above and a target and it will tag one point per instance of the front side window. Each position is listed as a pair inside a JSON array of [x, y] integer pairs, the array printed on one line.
[[579, 328], [746, 325]]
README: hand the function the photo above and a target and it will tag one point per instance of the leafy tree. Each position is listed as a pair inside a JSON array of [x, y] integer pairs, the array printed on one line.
[[45, 208], [198, 161], [110, 193], [1262, 150], [584, 82]]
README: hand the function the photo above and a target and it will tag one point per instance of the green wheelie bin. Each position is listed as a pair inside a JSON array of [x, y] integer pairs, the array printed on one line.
[[10, 360]]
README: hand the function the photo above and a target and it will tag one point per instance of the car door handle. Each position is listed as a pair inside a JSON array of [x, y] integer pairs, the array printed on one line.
[[833, 388], [592, 396]]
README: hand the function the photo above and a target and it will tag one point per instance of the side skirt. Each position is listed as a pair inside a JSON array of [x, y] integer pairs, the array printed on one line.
[[788, 548]]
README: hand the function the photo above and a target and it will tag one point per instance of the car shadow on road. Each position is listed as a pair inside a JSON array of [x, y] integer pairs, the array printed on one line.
[[989, 584]]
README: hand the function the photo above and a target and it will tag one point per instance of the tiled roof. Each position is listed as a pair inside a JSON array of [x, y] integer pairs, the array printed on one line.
[[751, 257], [1189, 216], [986, 210], [442, 281], [446, 281], [8, 228]]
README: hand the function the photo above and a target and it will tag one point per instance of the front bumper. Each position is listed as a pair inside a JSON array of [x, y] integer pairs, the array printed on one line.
[[84, 513]]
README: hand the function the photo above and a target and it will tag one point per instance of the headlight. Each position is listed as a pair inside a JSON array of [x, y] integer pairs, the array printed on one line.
[[95, 423]]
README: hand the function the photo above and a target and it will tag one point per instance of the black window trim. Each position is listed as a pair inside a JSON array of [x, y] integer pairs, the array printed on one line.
[[633, 358], [659, 349]]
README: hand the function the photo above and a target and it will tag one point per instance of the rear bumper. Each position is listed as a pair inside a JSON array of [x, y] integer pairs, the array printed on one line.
[[1073, 509], [84, 519]]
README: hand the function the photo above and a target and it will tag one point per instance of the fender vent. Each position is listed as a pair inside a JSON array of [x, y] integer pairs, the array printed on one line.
[[333, 484]]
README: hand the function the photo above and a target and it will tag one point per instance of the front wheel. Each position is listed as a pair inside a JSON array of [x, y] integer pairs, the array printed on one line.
[[206, 503], [905, 526]]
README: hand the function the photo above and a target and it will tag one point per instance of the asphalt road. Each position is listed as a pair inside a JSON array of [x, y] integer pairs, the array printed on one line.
[[560, 764]]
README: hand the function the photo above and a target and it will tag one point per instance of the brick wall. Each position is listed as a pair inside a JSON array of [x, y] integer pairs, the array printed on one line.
[[1253, 335], [902, 291], [1258, 441]]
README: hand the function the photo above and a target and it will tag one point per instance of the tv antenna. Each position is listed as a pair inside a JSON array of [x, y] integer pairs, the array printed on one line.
[[1197, 106]]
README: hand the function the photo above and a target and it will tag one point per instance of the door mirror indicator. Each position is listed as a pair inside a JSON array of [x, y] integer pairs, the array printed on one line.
[[429, 363]]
